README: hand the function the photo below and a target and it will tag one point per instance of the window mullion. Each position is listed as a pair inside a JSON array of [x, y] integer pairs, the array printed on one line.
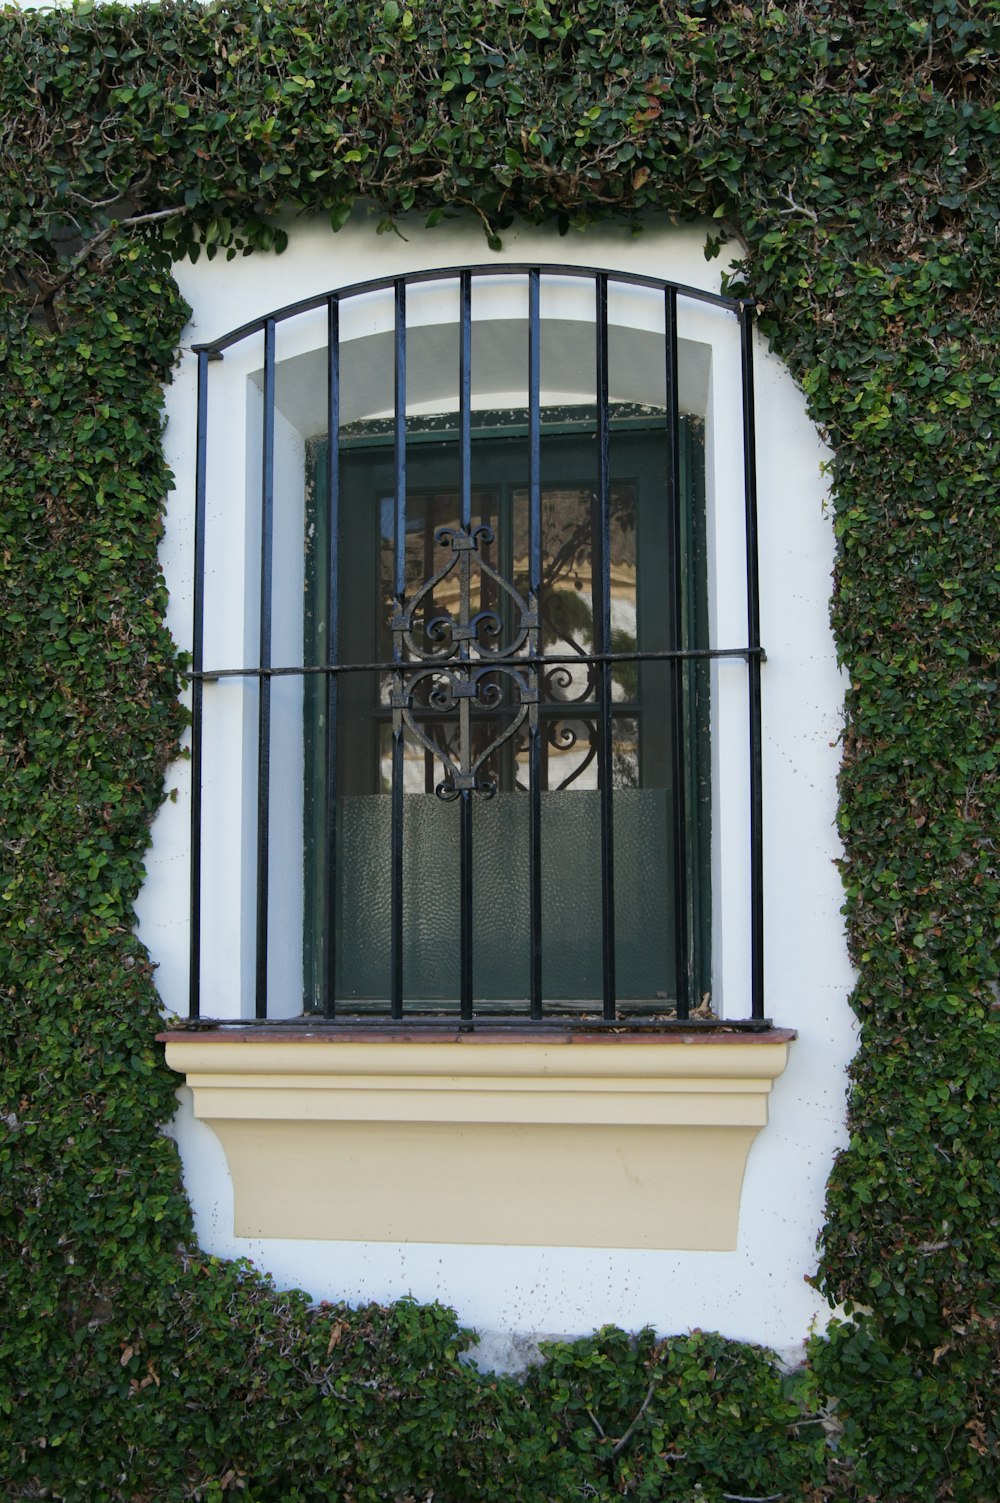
[[465, 503], [264, 691], [329, 865], [535, 647], [678, 670], [602, 622], [197, 688], [399, 588], [753, 668]]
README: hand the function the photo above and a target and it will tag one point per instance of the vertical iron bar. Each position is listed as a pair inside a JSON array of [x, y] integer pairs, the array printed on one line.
[[753, 668], [430, 510], [602, 615], [466, 940], [264, 693], [399, 544], [396, 944], [465, 879], [465, 399], [197, 688], [535, 645], [677, 670], [332, 650]]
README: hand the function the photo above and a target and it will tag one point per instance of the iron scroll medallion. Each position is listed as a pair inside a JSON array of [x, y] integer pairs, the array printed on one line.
[[450, 665]]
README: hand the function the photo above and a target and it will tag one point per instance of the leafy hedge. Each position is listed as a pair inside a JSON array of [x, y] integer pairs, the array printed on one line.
[[853, 148]]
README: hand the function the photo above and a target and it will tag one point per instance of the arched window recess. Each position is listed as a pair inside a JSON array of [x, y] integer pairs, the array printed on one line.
[[476, 733]]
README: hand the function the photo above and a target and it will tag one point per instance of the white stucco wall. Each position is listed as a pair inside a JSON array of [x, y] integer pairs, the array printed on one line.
[[758, 1292]]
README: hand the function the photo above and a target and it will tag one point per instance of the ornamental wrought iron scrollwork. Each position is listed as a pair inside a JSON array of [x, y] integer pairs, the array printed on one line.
[[566, 736], [460, 671], [561, 683]]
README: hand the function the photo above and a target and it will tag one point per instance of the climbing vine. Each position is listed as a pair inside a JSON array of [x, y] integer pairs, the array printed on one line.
[[852, 150]]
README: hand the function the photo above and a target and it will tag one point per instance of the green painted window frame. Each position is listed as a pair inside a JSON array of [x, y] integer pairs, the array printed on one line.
[[367, 477]]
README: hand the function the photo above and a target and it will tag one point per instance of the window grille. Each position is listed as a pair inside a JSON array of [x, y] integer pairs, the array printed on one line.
[[504, 667]]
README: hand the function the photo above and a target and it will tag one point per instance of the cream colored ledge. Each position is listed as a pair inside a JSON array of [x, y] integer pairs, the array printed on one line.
[[564, 1141]]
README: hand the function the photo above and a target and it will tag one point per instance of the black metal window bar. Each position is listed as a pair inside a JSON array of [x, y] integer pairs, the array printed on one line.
[[457, 665]]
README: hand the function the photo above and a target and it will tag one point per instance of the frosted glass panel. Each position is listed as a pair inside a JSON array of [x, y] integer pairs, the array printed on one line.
[[571, 921]]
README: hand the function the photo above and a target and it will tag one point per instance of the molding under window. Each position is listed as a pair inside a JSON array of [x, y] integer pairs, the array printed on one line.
[[561, 1140]]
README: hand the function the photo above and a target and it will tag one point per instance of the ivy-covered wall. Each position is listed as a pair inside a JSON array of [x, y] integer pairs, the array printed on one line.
[[852, 148]]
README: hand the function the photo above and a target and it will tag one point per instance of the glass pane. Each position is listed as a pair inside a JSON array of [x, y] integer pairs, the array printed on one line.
[[567, 595], [428, 514], [430, 898]]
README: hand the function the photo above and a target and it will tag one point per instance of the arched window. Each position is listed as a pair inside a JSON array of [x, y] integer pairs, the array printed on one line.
[[476, 657]]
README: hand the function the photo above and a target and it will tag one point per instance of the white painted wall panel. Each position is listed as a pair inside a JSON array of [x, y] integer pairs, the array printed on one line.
[[757, 1292]]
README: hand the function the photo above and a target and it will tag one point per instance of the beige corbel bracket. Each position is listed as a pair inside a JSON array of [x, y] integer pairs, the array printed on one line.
[[555, 1140]]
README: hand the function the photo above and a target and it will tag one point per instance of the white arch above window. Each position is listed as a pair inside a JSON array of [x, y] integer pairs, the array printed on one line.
[[500, 339]]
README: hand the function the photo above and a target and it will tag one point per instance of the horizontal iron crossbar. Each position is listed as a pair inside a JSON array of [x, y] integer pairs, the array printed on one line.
[[694, 653]]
